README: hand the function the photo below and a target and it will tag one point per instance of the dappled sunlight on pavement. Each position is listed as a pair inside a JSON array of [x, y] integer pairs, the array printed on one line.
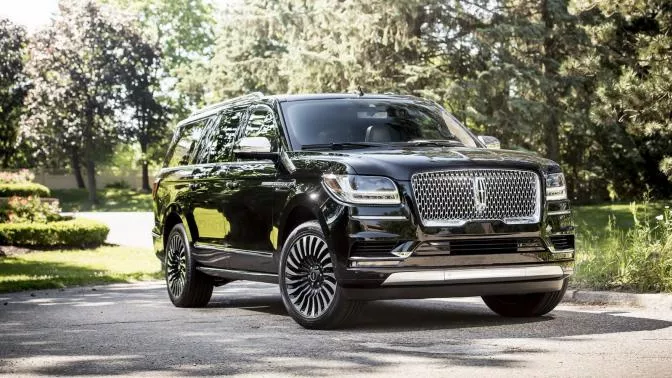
[[134, 329]]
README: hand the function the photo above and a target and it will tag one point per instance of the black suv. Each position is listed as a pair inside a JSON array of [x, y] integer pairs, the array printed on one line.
[[342, 198]]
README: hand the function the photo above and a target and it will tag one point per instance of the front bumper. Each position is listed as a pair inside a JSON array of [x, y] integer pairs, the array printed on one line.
[[384, 252]]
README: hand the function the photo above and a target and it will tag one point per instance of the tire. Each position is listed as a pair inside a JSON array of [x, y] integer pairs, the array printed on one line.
[[187, 287], [525, 305], [308, 283]]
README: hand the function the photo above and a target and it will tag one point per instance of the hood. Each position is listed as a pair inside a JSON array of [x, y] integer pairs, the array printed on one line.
[[401, 163]]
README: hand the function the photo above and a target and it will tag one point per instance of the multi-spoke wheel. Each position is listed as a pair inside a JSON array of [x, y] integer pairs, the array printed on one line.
[[187, 287], [308, 283], [309, 276]]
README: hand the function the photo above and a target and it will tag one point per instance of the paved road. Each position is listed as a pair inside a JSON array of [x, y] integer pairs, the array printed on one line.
[[133, 329], [133, 229]]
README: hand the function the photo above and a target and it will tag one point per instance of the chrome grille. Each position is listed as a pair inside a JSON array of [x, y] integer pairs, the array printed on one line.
[[455, 197]]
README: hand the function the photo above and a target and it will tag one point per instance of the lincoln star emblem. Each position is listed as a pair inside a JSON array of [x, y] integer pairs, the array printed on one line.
[[480, 194]]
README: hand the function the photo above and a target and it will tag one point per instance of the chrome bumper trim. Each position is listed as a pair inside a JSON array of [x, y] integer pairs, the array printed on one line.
[[475, 275], [559, 212], [378, 217]]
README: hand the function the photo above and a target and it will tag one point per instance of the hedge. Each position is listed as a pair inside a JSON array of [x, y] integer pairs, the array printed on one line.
[[24, 190], [76, 232]]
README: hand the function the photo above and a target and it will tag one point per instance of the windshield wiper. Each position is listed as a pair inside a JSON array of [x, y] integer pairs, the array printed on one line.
[[433, 143], [341, 145]]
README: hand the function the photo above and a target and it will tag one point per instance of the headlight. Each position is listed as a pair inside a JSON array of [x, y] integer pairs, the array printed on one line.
[[368, 190], [555, 187]]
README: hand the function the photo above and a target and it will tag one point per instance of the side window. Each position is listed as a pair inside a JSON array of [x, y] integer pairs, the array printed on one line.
[[189, 136], [223, 135], [262, 124], [200, 156]]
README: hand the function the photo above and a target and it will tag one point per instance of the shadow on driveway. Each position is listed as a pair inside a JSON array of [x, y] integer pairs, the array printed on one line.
[[133, 329]]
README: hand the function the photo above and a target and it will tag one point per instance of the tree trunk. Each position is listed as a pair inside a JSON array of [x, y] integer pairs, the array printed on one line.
[[551, 65], [145, 168], [91, 180], [77, 169]]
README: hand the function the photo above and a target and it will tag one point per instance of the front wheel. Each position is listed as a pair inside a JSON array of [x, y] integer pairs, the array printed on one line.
[[525, 305], [308, 283]]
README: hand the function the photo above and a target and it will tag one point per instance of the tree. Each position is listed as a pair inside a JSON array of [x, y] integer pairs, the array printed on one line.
[[79, 65], [13, 87], [633, 103], [183, 31], [148, 123], [329, 45]]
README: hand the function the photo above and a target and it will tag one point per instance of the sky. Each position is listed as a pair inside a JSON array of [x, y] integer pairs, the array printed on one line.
[[32, 14]]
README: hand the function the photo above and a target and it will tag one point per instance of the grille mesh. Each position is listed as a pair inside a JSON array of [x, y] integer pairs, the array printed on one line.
[[452, 198]]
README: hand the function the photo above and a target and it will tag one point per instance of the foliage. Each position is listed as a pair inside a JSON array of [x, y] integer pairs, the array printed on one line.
[[28, 210], [61, 268], [71, 233], [24, 190], [84, 68], [20, 176], [638, 259], [13, 88], [111, 199]]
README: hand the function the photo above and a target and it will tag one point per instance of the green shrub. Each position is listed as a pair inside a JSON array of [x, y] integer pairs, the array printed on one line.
[[71, 233], [638, 259], [121, 184], [28, 210], [22, 175], [23, 190]]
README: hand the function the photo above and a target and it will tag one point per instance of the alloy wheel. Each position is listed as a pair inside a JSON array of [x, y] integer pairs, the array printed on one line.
[[176, 265], [309, 276]]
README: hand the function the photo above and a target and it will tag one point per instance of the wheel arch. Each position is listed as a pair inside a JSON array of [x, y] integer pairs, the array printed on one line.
[[173, 216]]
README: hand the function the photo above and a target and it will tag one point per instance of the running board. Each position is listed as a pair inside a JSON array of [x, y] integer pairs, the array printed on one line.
[[240, 274]]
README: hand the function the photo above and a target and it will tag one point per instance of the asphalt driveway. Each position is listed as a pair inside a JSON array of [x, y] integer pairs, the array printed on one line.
[[133, 329]]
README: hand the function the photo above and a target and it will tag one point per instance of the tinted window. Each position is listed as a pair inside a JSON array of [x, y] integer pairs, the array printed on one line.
[[262, 124], [188, 138], [220, 140], [370, 120]]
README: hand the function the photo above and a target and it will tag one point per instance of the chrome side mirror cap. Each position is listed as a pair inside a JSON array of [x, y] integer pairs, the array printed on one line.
[[253, 145], [490, 142]]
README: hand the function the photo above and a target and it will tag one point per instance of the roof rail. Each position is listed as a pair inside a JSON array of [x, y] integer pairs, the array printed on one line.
[[247, 97]]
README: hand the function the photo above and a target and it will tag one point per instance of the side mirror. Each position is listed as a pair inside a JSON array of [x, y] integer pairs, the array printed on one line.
[[255, 148], [490, 142]]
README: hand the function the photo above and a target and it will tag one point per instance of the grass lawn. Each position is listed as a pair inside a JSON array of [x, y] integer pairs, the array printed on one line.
[[596, 217], [111, 199], [61, 268], [614, 252]]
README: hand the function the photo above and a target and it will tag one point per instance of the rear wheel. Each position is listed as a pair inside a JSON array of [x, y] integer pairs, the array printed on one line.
[[308, 283], [525, 305], [187, 287]]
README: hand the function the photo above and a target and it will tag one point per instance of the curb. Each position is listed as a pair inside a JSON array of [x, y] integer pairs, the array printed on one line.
[[646, 301]]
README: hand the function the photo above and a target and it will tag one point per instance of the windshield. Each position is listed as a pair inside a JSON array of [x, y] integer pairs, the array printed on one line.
[[371, 123]]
